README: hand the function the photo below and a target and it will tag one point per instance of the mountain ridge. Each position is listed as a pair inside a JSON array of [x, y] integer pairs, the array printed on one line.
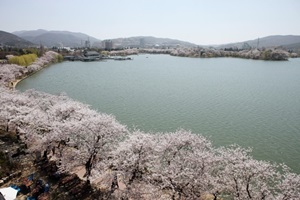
[[268, 41], [9, 39], [149, 41], [284, 41], [56, 38], [78, 39]]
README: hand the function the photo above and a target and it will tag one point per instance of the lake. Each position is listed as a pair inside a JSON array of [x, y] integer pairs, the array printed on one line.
[[229, 100]]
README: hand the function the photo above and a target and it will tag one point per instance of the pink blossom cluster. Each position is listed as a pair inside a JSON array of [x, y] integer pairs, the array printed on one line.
[[176, 165], [47, 58], [10, 72]]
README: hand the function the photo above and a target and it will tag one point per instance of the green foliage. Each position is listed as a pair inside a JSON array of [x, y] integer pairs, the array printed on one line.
[[29, 58], [19, 60], [105, 53], [32, 51], [266, 55], [59, 58], [23, 60]]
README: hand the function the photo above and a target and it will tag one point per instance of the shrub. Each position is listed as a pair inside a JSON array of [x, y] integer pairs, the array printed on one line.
[[23, 60]]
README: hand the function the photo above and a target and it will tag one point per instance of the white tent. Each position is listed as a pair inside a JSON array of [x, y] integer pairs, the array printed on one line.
[[9, 193]]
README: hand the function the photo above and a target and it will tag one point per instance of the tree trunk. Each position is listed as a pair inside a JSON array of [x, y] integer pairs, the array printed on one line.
[[88, 168], [248, 192], [7, 126], [45, 155], [89, 164], [236, 188], [215, 196], [114, 184]]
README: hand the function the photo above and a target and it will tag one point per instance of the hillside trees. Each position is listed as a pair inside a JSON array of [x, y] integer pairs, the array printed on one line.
[[181, 165]]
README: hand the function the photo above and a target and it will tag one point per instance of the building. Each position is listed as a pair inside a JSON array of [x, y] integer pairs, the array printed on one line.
[[87, 44], [108, 44], [91, 56], [142, 43]]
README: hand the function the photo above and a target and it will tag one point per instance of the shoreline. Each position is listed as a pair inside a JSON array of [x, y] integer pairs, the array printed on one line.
[[270, 54], [14, 83]]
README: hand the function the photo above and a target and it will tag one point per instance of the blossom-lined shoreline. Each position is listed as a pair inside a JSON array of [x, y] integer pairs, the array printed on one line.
[[273, 54], [12, 74]]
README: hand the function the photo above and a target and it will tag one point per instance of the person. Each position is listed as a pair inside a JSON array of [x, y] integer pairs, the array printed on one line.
[[30, 177], [114, 184], [47, 187], [1, 196]]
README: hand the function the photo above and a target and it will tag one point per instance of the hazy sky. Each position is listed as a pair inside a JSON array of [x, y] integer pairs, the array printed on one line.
[[198, 21]]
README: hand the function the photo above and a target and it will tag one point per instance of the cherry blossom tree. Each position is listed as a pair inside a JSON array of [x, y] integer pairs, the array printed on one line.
[[289, 186], [134, 156], [9, 73], [13, 107], [24, 111], [175, 162], [133, 160], [246, 178], [90, 140], [183, 163]]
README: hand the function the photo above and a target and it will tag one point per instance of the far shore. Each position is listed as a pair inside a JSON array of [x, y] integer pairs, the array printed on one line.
[[268, 54]]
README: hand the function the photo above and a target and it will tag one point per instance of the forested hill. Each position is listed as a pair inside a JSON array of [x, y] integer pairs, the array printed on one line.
[[269, 41], [8, 39], [149, 41], [72, 39], [57, 38], [75, 39]]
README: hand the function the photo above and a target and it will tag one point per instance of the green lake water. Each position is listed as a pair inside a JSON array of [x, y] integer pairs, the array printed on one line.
[[247, 102]]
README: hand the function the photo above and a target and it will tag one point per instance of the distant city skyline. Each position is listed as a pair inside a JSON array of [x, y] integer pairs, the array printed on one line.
[[197, 21]]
